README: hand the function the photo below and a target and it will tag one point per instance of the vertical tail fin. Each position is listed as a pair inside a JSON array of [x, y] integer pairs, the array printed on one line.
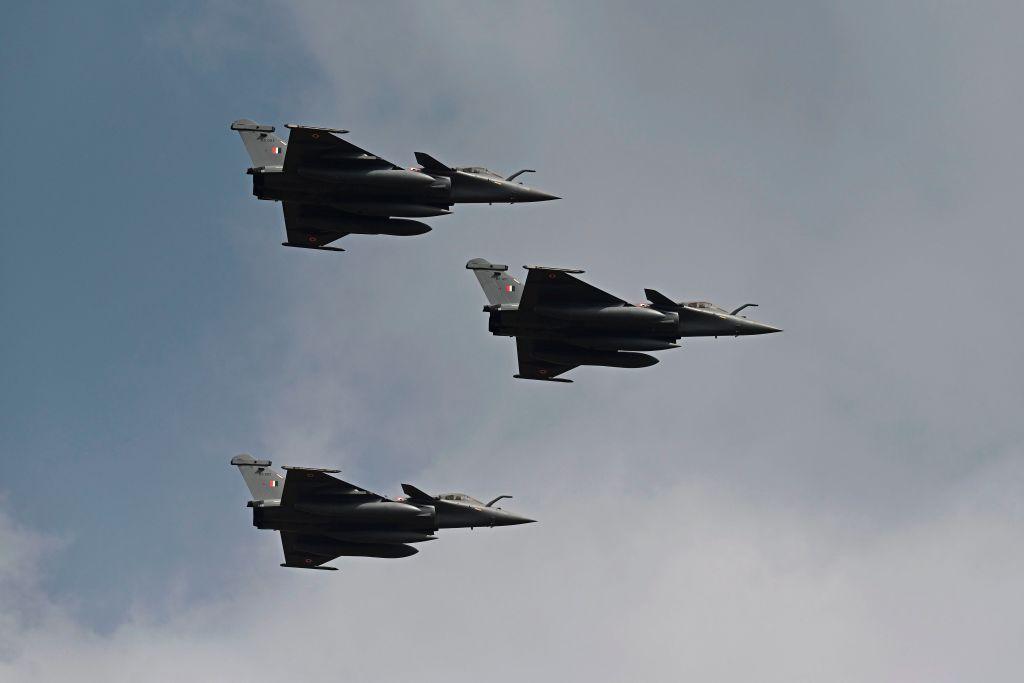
[[265, 149], [263, 482], [498, 285]]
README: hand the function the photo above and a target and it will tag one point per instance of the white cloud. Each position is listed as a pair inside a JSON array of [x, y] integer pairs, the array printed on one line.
[[838, 502], [689, 582]]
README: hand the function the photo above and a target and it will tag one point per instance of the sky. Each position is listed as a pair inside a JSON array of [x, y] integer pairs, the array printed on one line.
[[837, 502]]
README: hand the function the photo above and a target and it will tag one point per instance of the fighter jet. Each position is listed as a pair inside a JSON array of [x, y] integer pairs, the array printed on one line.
[[330, 188], [321, 517], [561, 322]]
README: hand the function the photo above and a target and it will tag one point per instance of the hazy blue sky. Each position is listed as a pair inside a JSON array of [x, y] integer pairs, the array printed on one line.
[[838, 502]]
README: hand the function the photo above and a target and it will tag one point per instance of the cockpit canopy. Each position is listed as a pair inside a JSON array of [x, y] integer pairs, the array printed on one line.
[[479, 170], [705, 306], [459, 498]]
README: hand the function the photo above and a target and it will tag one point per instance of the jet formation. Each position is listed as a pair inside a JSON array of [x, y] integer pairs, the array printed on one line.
[[330, 188], [560, 322], [321, 517]]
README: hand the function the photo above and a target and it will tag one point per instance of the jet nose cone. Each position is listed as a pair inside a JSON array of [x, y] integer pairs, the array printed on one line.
[[531, 195], [760, 328], [508, 519], [519, 520]]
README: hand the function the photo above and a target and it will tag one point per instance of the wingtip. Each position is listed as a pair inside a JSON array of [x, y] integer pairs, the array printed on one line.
[[560, 380]]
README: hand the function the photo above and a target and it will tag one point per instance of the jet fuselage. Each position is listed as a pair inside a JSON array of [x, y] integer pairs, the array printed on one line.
[[390, 192], [636, 328], [321, 517], [386, 521]]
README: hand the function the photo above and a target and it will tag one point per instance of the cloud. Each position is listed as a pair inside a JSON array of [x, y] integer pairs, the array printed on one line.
[[688, 582], [837, 502]]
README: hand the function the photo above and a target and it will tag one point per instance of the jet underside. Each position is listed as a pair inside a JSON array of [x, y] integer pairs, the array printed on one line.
[[344, 534], [603, 335], [627, 335], [354, 197]]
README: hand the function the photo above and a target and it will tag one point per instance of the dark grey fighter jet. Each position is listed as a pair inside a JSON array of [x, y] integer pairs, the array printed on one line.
[[561, 322], [330, 188], [321, 517]]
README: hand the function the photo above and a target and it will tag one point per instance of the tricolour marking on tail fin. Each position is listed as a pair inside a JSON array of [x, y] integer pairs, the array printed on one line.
[[498, 285], [266, 150], [263, 482]]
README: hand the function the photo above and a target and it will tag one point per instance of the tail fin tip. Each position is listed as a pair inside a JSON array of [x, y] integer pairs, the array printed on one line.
[[484, 264], [250, 125]]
